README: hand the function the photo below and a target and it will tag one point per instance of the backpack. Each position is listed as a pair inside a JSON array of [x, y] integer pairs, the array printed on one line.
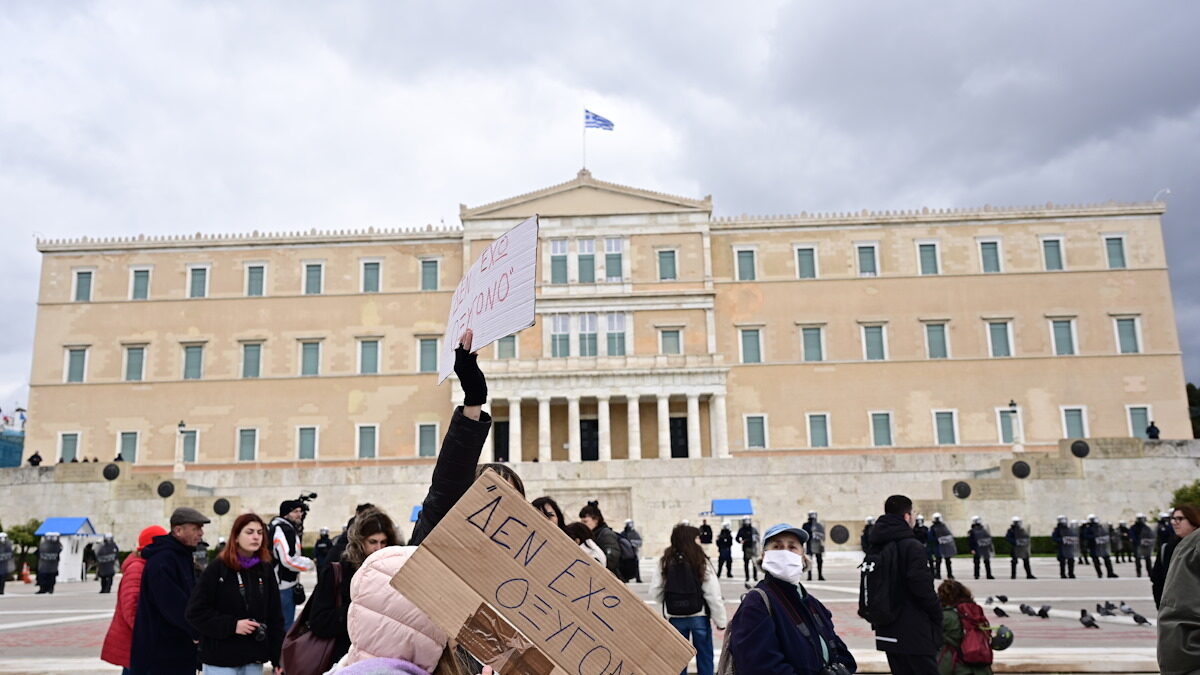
[[878, 592], [976, 646], [682, 594], [726, 666], [628, 552]]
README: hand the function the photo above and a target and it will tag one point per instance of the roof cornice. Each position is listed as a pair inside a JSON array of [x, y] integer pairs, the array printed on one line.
[[928, 215], [584, 179], [251, 239]]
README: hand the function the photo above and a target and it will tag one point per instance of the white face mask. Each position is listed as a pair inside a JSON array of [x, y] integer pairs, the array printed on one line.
[[784, 565]]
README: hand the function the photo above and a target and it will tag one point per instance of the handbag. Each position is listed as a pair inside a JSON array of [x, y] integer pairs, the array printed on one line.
[[303, 652], [298, 594]]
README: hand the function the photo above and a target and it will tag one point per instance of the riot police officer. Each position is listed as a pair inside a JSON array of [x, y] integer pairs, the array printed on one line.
[[944, 547], [815, 547], [1065, 542], [1098, 545], [1018, 539], [106, 563], [7, 565], [921, 531], [1141, 539], [980, 541], [321, 549], [862, 541], [1117, 544], [48, 553]]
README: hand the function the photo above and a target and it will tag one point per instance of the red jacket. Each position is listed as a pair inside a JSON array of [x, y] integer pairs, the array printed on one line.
[[120, 632]]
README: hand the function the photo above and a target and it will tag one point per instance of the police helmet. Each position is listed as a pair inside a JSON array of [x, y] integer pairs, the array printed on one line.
[[812, 515], [3, 536], [1016, 519], [1003, 638], [976, 519], [1091, 517], [324, 530], [220, 540], [108, 536], [937, 517], [1074, 522], [920, 519], [685, 522], [1141, 516], [1121, 523], [724, 526], [1062, 518]]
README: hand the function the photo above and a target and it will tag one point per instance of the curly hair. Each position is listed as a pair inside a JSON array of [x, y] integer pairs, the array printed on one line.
[[369, 522], [952, 594]]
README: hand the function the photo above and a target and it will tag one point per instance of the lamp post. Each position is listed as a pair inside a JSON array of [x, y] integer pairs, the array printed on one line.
[[179, 449]]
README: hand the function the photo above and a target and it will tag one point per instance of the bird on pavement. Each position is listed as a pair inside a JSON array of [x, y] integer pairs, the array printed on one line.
[[1000, 613], [1027, 610], [1109, 605], [1104, 611], [1126, 608], [1140, 620], [1044, 612], [1087, 620], [989, 600], [1002, 598]]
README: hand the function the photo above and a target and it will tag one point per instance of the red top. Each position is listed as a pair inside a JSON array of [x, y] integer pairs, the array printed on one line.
[[119, 640]]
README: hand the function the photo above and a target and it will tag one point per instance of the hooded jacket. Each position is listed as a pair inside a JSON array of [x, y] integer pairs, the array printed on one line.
[[120, 632], [1178, 615], [918, 626], [163, 640]]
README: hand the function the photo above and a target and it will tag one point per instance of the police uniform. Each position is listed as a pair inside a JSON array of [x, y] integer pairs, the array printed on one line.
[[1098, 545], [1141, 539], [1018, 539], [815, 546], [980, 541], [1066, 541], [944, 547]]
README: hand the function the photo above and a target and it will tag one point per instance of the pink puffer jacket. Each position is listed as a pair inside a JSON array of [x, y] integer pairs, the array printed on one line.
[[382, 622]]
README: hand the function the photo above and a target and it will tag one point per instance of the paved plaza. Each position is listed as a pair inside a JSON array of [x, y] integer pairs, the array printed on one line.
[[63, 633]]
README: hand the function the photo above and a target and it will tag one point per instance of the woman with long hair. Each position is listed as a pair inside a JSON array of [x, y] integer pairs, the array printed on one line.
[[1179, 611], [549, 508], [685, 583], [235, 605], [956, 601]]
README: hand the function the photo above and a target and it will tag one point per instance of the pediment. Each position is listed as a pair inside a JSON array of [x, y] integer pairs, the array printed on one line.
[[586, 196]]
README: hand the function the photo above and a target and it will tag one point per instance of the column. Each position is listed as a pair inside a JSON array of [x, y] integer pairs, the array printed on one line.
[[544, 429], [716, 419], [693, 425], [605, 428], [489, 444], [574, 452], [514, 431], [664, 426], [635, 427]]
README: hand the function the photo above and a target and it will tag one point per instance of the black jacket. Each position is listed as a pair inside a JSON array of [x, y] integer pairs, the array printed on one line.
[[607, 540], [454, 472], [325, 618], [706, 534], [162, 637], [217, 605], [918, 628], [1158, 574]]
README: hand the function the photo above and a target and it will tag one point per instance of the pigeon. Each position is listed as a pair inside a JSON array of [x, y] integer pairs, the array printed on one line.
[[1140, 620], [1044, 612], [1109, 605], [1002, 598], [1104, 611], [1000, 613], [1087, 620], [1126, 608], [989, 600], [1027, 610]]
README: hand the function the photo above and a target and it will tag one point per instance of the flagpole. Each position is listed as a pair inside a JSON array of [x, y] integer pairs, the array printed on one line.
[[584, 144]]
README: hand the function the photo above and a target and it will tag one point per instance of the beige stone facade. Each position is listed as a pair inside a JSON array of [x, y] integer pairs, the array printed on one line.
[[662, 331]]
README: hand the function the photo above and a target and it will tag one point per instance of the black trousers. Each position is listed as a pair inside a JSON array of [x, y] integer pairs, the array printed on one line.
[[106, 584], [1136, 561], [1107, 565], [1028, 571], [987, 564], [3, 578], [916, 664], [820, 567], [748, 566], [1066, 568], [937, 569], [727, 563], [45, 582]]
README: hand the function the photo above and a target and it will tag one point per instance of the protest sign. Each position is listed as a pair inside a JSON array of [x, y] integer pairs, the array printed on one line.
[[520, 596], [495, 296]]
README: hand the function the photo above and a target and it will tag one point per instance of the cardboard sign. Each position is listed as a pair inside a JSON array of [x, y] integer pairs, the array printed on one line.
[[520, 596], [495, 296]]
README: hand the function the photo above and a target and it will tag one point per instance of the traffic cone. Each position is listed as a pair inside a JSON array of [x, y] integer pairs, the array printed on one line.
[[25, 574]]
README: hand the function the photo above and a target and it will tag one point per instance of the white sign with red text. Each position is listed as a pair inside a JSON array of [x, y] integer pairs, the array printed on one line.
[[495, 297]]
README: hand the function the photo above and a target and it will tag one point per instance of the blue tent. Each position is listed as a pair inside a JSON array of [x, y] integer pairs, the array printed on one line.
[[416, 513], [66, 526], [731, 507]]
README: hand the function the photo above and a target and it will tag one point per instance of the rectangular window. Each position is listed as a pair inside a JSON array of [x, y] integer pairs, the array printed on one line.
[[368, 357], [129, 446], [868, 265], [83, 286], [306, 443], [989, 256], [745, 265], [1052, 254], [370, 276], [1115, 247], [945, 427], [76, 364], [613, 249], [140, 285], [313, 278], [247, 445], [874, 343], [670, 341], [935, 341], [806, 262], [1009, 426], [616, 334], [813, 343], [560, 335], [928, 254], [1064, 336], [68, 447], [189, 441], [998, 338], [198, 282], [366, 441], [1127, 336], [506, 347], [251, 359], [751, 346], [587, 261], [881, 429], [666, 266], [193, 362], [310, 358], [558, 261], [429, 275], [756, 431], [426, 440], [256, 281], [1139, 419], [587, 334], [818, 430], [1074, 423], [429, 355], [135, 361]]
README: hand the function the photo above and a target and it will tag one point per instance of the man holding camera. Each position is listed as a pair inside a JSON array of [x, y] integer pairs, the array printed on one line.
[[286, 547]]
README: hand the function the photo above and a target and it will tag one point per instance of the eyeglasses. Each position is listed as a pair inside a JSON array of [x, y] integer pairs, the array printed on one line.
[[1178, 519]]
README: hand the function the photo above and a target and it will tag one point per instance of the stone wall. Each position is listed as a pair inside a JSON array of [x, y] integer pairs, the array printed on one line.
[[1118, 478]]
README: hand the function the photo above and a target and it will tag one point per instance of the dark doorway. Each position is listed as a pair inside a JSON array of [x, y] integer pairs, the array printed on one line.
[[589, 440], [500, 436], [679, 446]]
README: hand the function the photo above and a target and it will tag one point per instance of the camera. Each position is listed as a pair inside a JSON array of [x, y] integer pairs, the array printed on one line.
[[260, 633]]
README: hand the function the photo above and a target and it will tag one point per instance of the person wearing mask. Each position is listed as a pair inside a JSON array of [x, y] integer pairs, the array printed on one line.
[[49, 552], [747, 536], [780, 627], [921, 531], [7, 564], [605, 538], [1065, 544], [815, 547], [321, 550], [106, 563], [957, 603], [979, 539], [289, 564], [1098, 545], [235, 605], [634, 538], [164, 642], [1184, 519], [583, 538], [685, 584], [549, 508], [725, 551], [913, 638], [1179, 611], [1018, 540], [944, 546], [1141, 540], [372, 530], [119, 638]]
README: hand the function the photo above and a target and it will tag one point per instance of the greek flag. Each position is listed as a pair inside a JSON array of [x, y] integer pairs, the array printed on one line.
[[593, 121]]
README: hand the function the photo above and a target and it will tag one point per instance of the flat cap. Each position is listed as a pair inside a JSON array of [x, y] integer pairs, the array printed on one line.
[[184, 515]]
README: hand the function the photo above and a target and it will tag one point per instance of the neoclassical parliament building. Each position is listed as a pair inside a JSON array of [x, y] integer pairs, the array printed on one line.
[[662, 331]]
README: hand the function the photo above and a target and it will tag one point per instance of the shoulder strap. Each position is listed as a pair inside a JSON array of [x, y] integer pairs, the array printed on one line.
[[766, 600], [337, 584]]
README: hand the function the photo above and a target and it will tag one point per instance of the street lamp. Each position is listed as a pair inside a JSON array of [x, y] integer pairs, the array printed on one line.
[[179, 449]]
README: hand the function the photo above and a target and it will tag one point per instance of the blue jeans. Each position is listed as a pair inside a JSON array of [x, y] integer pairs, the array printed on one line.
[[287, 603], [699, 631], [250, 669]]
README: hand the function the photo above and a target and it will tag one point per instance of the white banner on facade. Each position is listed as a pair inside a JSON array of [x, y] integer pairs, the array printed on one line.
[[495, 297]]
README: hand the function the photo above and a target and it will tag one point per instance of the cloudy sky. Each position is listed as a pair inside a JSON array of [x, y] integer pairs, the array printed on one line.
[[125, 118]]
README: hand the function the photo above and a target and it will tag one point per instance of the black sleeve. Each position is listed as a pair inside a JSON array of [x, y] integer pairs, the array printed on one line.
[[203, 610], [918, 580], [454, 472], [274, 616], [325, 618]]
